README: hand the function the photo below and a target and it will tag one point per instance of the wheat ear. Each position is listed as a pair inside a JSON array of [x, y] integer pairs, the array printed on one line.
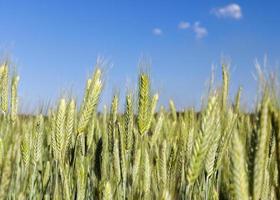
[[261, 150], [91, 100], [240, 189], [143, 104]]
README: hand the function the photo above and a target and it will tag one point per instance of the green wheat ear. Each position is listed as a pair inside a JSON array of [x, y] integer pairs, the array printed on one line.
[[136, 166], [239, 177], [143, 103], [146, 105], [25, 148], [6, 175], [202, 140], [261, 151], [152, 109], [157, 129], [173, 110], [38, 139], [81, 181], [165, 195], [225, 86], [107, 192], [163, 164], [147, 174], [69, 128], [4, 77], [276, 127], [60, 128], [112, 122], [90, 100], [14, 98], [212, 153], [1, 153], [47, 173], [129, 117], [116, 161], [237, 100]]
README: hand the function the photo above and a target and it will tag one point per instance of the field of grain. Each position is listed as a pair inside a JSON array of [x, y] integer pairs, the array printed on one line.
[[145, 152]]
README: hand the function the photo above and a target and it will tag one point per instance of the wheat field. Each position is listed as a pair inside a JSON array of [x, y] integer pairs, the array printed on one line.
[[146, 152]]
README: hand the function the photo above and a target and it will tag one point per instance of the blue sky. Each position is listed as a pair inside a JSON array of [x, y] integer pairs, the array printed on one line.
[[54, 44]]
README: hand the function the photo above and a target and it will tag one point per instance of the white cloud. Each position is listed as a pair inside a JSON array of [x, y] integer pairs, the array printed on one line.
[[157, 31], [199, 30], [184, 25], [229, 11]]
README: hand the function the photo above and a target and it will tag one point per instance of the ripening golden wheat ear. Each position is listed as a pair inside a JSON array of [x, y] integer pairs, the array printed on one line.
[[239, 177], [201, 143], [14, 98], [4, 77], [91, 100], [261, 151], [143, 103], [60, 128]]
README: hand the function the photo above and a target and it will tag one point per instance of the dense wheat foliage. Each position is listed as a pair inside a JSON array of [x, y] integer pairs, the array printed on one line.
[[145, 152]]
